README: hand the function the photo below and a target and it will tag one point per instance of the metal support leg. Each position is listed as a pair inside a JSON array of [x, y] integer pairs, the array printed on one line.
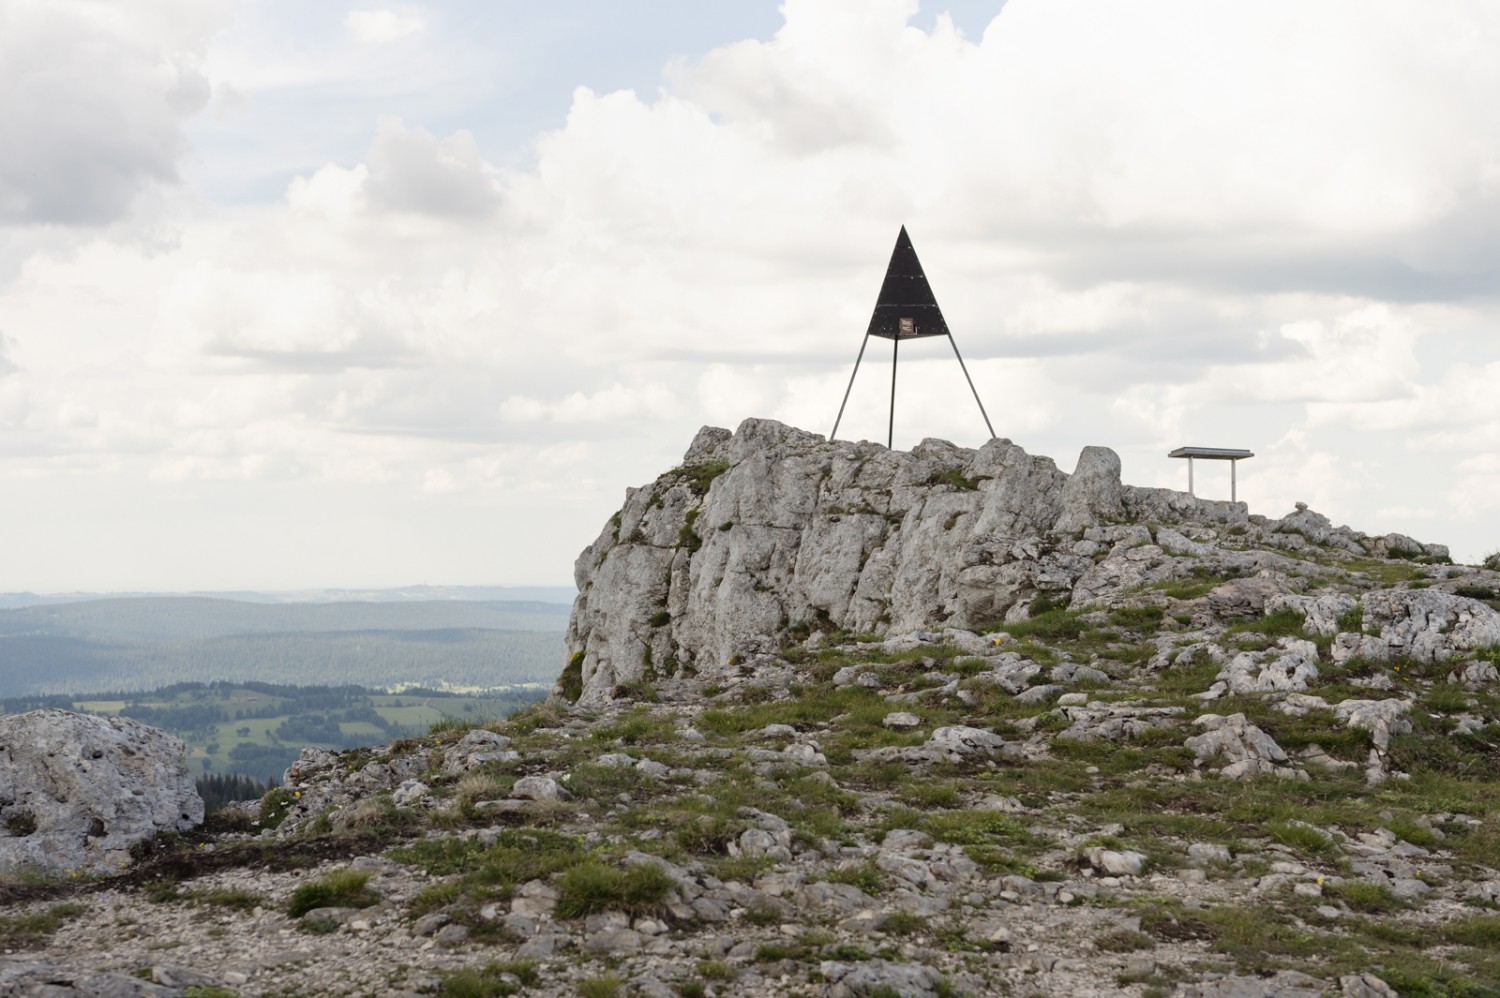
[[890, 433], [1232, 496], [1190, 479], [840, 419], [964, 367]]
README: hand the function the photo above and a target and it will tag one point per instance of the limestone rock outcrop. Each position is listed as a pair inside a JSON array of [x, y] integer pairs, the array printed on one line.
[[773, 527], [771, 534], [77, 791]]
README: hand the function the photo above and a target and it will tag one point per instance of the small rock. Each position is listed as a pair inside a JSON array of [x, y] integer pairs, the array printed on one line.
[[1123, 863]]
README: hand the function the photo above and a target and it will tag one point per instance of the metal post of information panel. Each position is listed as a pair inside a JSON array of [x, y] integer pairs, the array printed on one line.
[[1233, 455]]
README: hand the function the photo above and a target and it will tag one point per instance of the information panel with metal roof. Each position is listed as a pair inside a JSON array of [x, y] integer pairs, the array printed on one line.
[[1231, 454]]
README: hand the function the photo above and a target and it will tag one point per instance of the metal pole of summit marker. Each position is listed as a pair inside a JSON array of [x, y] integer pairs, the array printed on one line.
[[954, 344], [840, 418], [890, 433]]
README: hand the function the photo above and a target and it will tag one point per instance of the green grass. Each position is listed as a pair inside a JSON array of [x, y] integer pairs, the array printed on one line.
[[602, 986], [571, 679], [904, 923], [24, 932], [339, 889], [1054, 625], [1369, 899], [490, 981], [487, 872], [866, 876], [1137, 618], [1283, 623], [700, 476], [593, 886]]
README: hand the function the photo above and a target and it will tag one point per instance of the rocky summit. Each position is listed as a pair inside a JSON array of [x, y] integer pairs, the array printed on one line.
[[842, 721]]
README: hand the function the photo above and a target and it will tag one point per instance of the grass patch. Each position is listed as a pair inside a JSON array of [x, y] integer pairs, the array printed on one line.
[[493, 980], [700, 476], [486, 872], [602, 986], [571, 679], [1054, 625], [1300, 838], [593, 886], [904, 923], [866, 876], [24, 932], [339, 889], [1281, 624], [1368, 899], [1137, 618]]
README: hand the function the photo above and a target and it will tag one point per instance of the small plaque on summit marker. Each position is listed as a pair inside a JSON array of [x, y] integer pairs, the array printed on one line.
[[906, 307]]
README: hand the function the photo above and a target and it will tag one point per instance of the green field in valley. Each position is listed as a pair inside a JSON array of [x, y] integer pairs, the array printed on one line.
[[257, 729]]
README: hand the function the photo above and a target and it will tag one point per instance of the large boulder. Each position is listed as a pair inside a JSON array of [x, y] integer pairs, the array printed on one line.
[[78, 791]]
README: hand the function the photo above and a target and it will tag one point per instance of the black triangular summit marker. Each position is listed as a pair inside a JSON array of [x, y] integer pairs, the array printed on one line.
[[906, 310], [906, 307]]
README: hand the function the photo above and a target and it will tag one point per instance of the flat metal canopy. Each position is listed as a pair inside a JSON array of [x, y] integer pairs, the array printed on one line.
[[1212, 453]]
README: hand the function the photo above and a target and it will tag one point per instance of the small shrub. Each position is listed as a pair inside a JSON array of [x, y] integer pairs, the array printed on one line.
[[490, 981], [23, 932], [1302, 838], [955, 478], [867, 877], [339, 889], [275, 806], [1047, 602], [603, 986], [1137, 618], [904, 923], [762, 915], [572, 678], [701, 476], [1492, 561], [1054, 625], [686, 536], [593, 886], [318, 926], [1124, 941], [661, 618], [1282, 623], [1372, 899], [20, 823], [1352, 621], [1479, 931]]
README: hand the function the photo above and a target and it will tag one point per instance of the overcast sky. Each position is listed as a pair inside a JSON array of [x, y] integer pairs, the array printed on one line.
[[359, 294]]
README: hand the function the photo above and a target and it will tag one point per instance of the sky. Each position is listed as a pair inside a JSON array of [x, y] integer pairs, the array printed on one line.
[[366, 294]]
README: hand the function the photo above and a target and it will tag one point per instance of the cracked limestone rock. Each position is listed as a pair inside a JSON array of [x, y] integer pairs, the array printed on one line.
[[77, 791], [771, 526], [1426, 625], [1248, 749]]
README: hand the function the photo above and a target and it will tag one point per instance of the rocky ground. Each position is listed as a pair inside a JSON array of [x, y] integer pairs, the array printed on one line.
[[1224, 756]]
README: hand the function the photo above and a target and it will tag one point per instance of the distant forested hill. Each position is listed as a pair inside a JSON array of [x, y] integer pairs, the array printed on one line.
[[145, 643], [170, 617]]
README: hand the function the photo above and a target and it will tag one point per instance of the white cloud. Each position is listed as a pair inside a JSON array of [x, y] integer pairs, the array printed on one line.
[[1149, 224], [93, 103], [379, 27]]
